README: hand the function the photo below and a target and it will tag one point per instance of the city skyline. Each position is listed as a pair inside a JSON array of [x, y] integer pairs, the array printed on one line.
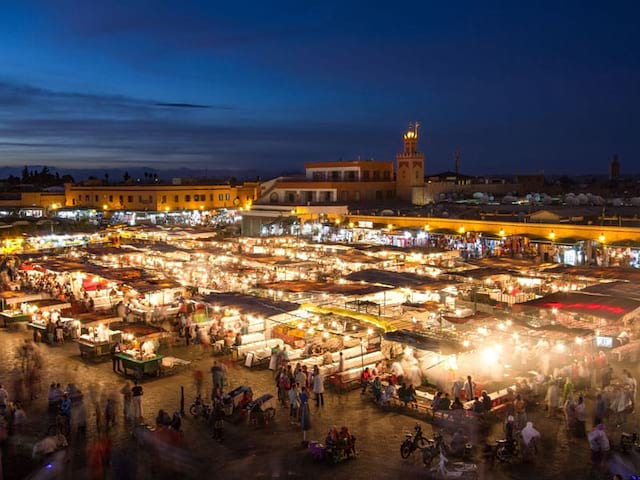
[[269, 87]]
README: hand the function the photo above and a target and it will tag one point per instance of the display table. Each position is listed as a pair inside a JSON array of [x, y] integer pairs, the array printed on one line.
[[13, 316], [151, 366], [94, 350], [39, 328]]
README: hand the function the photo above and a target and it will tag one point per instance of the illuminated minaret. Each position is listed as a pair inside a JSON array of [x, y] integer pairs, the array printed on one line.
[[410, 162]]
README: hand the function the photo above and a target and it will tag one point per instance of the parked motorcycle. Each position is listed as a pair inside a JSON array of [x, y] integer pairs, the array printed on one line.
[[437, 445], [506, 450], [629, 442], [413, 442], [200, 409], [459, 470]]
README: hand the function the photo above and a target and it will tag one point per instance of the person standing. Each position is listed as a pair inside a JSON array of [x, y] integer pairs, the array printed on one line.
[[581, 418], [198, 379], [606, 377], [127, 400], [115, 361], [305, 417], [136, 397], [318, 386], [4, 397], [469, 388]]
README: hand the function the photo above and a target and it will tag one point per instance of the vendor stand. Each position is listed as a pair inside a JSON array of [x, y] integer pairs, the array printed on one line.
[[141, 365], [98, 342]]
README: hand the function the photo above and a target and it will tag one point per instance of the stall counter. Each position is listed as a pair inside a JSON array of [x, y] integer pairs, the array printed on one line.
[[149, 366]]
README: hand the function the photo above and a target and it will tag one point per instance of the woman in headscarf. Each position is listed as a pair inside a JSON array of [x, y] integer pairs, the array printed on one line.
[[529, 440]]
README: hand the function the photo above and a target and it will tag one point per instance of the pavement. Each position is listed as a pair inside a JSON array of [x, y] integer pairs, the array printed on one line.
[[273, 451]]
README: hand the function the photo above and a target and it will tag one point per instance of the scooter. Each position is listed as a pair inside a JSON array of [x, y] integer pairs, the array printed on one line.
[[200, 409], [437, 444], [629, 442], [506, 450], [413, 442], [459, 470]]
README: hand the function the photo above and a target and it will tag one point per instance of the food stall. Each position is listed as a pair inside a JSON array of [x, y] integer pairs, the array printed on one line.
[[97, 342], [141, 359], [12, 302]]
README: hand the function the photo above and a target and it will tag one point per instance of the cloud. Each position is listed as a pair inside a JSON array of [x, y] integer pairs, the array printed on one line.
[[19, 95]]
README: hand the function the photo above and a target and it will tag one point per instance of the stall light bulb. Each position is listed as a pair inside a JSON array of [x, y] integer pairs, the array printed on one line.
[[347, 338], [466, 344], [509, 323], [370, 331]]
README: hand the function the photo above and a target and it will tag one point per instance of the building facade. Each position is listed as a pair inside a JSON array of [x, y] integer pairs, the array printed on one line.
[[334, 182], [160, 197], [410, 171]]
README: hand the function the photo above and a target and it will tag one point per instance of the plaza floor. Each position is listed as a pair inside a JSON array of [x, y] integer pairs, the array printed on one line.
[[263, 452]]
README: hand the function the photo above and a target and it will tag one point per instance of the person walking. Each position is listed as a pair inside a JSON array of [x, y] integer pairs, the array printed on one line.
[[318, 386], [581, 418], [552, 399], [599, 410], [136, 397]]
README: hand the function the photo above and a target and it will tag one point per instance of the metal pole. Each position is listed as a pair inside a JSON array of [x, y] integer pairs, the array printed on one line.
[[182, 401]]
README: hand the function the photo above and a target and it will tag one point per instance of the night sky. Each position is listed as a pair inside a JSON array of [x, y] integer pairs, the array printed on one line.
[[515, 87]]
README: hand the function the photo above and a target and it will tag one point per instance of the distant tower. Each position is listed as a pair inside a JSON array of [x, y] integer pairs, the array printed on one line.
[[410, 164], [614, 168]]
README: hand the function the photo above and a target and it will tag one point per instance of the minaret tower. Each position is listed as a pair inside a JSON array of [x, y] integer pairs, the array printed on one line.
[[410, 162]]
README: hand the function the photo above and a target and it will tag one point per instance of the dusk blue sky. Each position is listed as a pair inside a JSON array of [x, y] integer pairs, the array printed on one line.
[[515, 87]]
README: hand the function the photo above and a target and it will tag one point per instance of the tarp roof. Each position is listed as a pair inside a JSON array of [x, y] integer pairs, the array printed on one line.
[[336, 288], [617, 289], [612, 273], [250, 304], [610, 308], [397, 279]]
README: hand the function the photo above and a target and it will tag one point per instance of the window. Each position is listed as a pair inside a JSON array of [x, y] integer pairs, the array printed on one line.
[[110, 198], [387, 175], [227, 196], [96, 198], [196, 197], [220, 197], [211, 197], [176, 199], [365, 175], [140, 198], [86, 198], [130, 199], [376, 174], [150, 198], [187, 198], [357, 196], [163, 199], [121, 199], [74, 201]]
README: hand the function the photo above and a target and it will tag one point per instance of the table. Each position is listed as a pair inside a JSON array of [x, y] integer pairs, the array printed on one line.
[[94, 350], [14, 316], [149, 366]]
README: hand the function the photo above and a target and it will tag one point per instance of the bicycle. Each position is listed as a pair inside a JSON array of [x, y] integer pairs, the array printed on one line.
[[59, 427]]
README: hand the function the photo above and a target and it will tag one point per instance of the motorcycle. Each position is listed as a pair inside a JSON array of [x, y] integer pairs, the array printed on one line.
[[437, 445], [629, 442], [460, 470], [413, 442], [200, 409], [506, 450]]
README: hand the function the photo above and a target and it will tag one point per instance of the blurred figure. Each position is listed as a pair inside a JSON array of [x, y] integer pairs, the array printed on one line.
[[127, 399]]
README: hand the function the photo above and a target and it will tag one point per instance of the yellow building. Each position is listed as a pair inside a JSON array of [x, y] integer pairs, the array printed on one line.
[[160, 197]]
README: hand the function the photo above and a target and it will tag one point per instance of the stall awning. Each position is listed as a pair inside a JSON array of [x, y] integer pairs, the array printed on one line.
[[602, 306]]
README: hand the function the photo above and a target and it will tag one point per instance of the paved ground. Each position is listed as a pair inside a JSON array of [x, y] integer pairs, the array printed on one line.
[[250, 452]]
